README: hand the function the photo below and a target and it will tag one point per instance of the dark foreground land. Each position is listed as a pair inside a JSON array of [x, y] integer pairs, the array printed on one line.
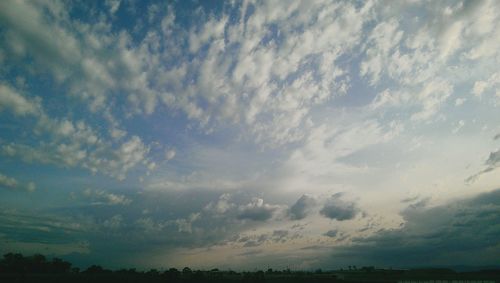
[[18, 268]]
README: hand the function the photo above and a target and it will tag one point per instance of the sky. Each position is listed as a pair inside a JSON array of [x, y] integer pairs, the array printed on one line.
[[251, 134]]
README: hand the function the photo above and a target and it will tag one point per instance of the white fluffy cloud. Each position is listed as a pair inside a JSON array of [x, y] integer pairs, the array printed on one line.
[[269, 88], [492, 83], [71, 143], [13, 101]]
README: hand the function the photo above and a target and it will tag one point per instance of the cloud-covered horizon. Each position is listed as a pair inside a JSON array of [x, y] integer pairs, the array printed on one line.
[[231, 134]]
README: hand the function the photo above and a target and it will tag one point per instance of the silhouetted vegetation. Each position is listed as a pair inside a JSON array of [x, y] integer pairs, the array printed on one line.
[[37, 268], [17, 263]]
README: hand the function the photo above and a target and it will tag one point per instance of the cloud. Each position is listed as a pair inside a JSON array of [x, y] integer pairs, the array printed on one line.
[[280, 235], [331, 233], [266, 72], [113, 5], [302, 207], [173, 220], [276, 236], [230, 75], [432, 95], [30, 187], [52, 45], [77, 53], [40, 232], [327, 146], [483, 86], [298, 97], [222, 205], [8, 182], [492, 163], [152, 227], [169, 154], [382, 41], [129, 154], [103, 197], [13, 184], [60, 249], [71, 52], [196, 180], [185, 225], [115, 222], [254, 240], [11, 100], [460, 101], [70, 143], [419, 202], [117, 133], [338, 209], [415, 85], [256, 210], [458, 232]]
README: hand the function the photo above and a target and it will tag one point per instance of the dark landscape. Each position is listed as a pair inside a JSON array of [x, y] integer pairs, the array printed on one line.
[[37, 268]]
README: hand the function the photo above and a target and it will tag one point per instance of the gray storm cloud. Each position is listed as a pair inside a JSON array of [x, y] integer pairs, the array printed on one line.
[[463, 232], [256, 210], [302, 207], [338, 209]]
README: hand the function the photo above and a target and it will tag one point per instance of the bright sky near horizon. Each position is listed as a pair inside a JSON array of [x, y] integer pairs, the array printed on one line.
[[251, 134]]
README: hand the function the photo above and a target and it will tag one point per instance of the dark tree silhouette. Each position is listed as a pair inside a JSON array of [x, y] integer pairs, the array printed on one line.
[[17, 263], [96, 269], [15, 267]]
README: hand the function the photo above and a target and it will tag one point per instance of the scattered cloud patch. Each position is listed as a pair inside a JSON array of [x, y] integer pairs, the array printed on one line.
[[257, 210], [169, 154], [460, 101], [185, 225], [8, 182], [332, 233], [302, 207], [99, 197], [115, 222], [337, 209], [11, 183], [276, 236], [17, 103], [493, 82], [222, 205]]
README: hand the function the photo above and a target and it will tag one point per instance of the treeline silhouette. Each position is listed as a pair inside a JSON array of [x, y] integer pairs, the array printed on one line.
[[15, 267]]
